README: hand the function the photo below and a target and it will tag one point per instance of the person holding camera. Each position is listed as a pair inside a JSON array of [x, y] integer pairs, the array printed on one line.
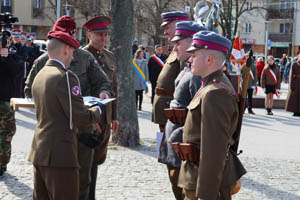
[[8, 71]]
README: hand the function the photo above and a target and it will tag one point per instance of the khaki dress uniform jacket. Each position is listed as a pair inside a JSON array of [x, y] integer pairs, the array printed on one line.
[[54, 143], [293, 98], [211, 121], [107, 62], [54, 152], [165, 81]]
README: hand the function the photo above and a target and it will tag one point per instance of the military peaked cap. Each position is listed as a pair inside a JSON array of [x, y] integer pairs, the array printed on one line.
[[168, 17], [210, 40], [98, 24], [186, 29]]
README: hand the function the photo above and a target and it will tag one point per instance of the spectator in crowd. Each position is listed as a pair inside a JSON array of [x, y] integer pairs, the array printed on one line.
[[155, 65], [251, 88], [8, 73], [259, 66], [287, 69], [225, 70], [293, 98], [270, 82], [139, 82], [134, 46], [282, 62]]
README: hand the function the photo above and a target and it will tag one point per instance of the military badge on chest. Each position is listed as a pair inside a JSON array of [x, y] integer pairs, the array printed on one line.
[[75, 90]]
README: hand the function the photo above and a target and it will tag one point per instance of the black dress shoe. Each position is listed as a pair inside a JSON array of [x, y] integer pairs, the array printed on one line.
[[251, 112]]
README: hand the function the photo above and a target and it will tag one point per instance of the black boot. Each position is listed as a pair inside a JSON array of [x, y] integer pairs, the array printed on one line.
[[270, 111], [267, 111], [250, 111]]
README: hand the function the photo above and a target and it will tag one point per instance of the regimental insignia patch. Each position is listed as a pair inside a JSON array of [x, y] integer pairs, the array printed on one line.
[[96, 62], [75, 90]]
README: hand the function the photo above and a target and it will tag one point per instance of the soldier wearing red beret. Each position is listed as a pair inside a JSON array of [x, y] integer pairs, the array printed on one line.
[[93, 81], [60, 112]]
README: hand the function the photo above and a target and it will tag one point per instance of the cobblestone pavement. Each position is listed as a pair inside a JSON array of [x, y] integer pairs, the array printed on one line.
[[271, 156]]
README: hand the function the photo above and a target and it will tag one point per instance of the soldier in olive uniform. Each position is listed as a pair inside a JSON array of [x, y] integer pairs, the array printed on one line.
[[60, 111], [186, 85], [98, 28], [211, 121], [165, 83], [93, 82]]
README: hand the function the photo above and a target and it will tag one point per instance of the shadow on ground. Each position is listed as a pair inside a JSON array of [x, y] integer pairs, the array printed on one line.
[[267, 190], [15, 187]]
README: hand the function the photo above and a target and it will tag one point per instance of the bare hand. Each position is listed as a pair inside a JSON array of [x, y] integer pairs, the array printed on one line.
[[115, 125], [96, 128], [4, 52], [103, 96]]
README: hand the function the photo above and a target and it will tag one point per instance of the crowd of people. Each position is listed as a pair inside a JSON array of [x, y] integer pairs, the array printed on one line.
[[194, 104]]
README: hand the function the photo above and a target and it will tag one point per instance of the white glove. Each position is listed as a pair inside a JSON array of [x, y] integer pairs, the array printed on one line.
[[264, 90]]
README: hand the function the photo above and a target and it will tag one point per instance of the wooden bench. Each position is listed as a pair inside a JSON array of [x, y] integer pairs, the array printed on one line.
[[17, 103]]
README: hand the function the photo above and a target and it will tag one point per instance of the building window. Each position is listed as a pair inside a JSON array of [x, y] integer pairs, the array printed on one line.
[[37, 8], [37, 3], [248, 5], [6, 6], [247, 28], [6, 3], [286, 28], [283, 5]]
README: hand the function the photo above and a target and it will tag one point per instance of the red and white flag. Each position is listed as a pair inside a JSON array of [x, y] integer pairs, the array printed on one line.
[[237, 56]]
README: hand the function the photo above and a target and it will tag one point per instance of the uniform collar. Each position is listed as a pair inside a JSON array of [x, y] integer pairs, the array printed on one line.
[[94, 50], [58, 61], [211, 77]]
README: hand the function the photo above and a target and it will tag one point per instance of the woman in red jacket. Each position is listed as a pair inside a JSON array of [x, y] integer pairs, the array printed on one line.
[[270, 82], [260, 64]]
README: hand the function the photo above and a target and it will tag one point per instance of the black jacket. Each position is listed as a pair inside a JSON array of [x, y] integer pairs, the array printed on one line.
[[8, 72], [154, 68]]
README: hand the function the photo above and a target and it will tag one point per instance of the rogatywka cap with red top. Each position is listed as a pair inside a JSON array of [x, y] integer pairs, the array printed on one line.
[[168, 17], [186, 29], [98, 24], [210, 40]]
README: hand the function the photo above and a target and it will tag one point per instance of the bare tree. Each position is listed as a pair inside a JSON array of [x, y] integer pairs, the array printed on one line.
[[147, 17], [122, 14]]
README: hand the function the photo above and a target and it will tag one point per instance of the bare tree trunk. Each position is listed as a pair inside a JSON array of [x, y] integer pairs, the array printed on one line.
[[121, 38]]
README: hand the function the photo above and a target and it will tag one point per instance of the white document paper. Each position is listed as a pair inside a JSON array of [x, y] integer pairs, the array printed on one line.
[[22, 101], [89, 100]]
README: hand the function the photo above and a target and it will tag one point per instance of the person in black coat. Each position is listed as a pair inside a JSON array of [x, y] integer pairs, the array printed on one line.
[[8, 71], [154, 67]]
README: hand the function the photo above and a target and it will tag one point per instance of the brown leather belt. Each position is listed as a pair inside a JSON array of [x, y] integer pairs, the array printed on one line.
[[162, 91], [297, 76]]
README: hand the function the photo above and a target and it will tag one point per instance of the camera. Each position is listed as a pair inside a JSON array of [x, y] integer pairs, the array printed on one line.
[[6, 20]]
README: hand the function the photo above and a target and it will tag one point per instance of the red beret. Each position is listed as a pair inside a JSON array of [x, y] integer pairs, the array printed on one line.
[[98, 24], [64, 37], [65, 24]]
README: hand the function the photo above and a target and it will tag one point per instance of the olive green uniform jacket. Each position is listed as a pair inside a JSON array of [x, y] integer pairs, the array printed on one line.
[[211, 121], [166, 81], [93, 79], [107, 62], [55, 143]]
